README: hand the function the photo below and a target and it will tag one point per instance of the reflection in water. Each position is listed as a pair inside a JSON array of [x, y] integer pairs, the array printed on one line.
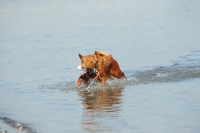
[[100, 107]]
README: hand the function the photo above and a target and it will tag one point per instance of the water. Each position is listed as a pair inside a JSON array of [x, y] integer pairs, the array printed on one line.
[[156, 44]]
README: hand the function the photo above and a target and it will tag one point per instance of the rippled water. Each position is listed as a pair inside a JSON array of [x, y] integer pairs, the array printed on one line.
[[156, 44]]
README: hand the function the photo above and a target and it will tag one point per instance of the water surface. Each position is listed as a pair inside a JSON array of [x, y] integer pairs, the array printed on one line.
[[156, 44]]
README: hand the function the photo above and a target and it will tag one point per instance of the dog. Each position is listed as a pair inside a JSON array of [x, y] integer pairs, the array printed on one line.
[[105, 64]]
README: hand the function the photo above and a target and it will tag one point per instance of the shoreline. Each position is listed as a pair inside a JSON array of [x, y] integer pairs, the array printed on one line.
[[8, 125], [6, 128]]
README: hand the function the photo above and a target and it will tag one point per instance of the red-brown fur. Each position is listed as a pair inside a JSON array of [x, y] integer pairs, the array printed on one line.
[[106, 65]]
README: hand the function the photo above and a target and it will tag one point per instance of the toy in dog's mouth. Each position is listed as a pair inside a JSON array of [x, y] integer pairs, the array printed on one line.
[[91, 70], [79, 67], [88, 69]]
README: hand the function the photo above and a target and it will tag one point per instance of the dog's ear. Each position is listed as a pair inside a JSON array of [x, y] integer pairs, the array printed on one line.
[[80, 56], [98, 53], [101, 53]]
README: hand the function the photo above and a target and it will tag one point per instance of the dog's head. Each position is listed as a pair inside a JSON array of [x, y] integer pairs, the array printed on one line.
[[88, 61], [98, 59]]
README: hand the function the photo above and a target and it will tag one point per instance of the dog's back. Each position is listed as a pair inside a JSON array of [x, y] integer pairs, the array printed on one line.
[[107, 64]]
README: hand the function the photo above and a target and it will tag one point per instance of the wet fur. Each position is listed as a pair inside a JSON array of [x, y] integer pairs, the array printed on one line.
[[106, 65]]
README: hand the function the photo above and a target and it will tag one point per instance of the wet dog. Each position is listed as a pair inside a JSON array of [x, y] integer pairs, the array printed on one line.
[[105, 64]]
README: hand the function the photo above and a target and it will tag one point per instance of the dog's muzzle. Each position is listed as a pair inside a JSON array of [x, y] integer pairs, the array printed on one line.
[[91, 70]]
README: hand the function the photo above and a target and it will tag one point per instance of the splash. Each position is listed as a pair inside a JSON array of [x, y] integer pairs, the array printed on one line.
[[172, 73]]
